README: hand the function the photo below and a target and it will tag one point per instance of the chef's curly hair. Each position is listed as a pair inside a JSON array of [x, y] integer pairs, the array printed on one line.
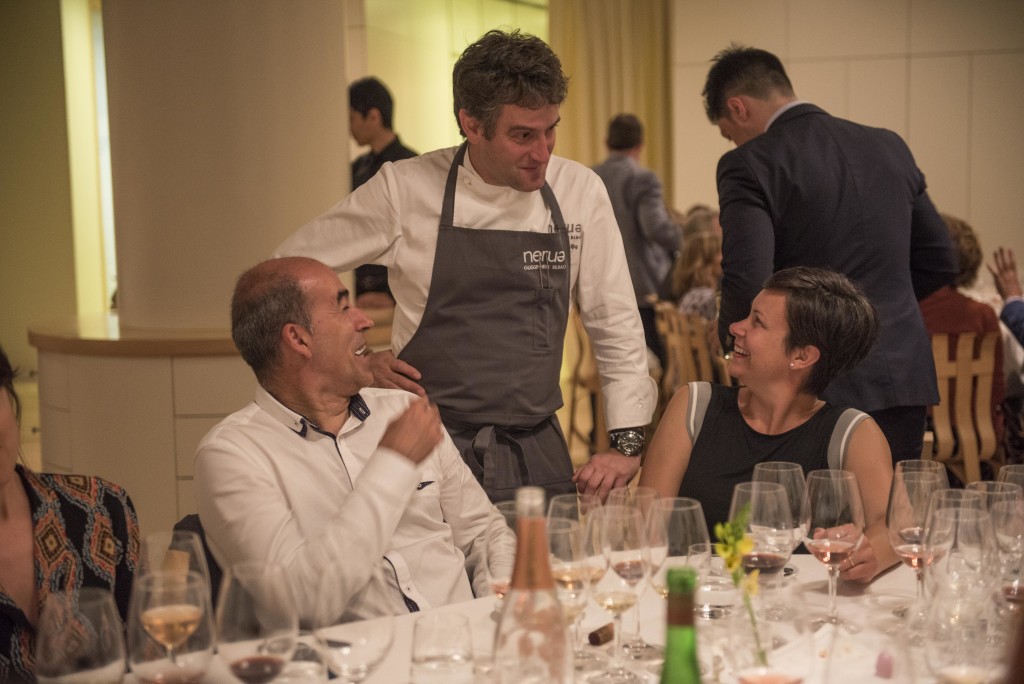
[[506, 68]]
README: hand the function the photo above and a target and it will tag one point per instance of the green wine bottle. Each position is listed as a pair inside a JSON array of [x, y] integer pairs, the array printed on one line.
[[681, 665]]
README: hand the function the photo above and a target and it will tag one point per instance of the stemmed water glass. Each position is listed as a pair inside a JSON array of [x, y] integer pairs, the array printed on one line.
[[832, 514], [170, 627], [80, 641], [625, 547], [791, 477], [642, 499], [257, 621], [1008, 525], [770, 524]]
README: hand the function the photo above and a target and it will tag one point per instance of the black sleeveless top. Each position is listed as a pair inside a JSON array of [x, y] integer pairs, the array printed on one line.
[[727, 449]]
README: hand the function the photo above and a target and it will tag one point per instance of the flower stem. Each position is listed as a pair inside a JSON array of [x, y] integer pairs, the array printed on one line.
[[762, 657]]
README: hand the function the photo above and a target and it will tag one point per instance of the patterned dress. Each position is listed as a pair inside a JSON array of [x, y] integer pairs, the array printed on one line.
[[86, 535]]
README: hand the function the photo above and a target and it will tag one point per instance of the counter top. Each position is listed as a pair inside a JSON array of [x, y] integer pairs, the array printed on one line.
[[103, 335]]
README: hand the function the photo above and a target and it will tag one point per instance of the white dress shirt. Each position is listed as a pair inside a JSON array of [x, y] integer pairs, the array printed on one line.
[[272, 487], [393, 220]]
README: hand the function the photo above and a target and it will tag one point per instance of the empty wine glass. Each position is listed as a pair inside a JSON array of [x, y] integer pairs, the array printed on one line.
[[1013, 472], [791, 477], [1008, 525], [833, 515], [170, 627], [996, 491], [960, 538], [573, 506], [499, 553], [625, 545], [257, 622], [80, 640], [641, 498], [353, 649], [770, 525], [674, 526]]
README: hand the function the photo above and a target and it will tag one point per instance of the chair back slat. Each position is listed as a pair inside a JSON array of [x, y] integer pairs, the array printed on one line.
[[963, 433]]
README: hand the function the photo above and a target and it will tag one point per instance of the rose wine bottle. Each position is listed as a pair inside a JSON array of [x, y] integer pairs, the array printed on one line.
[[532, 640]]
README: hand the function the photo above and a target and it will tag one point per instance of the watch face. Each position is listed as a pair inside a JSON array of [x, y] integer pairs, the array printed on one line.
[[630, 443]]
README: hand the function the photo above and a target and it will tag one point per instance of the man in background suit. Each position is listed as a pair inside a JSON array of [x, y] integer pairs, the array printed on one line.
[[370, 111], [649, 234], [803, 188]]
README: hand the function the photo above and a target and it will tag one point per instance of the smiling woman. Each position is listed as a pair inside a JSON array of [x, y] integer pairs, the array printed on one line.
[[805, 327]]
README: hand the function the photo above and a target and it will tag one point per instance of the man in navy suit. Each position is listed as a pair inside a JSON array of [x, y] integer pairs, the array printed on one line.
[[803, 188]]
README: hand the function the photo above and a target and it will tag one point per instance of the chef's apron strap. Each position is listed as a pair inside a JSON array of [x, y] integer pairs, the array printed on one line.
[[487, 453], [448, 204], [556, 212]]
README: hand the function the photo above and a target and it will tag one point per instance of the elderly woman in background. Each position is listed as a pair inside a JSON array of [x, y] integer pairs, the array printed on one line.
[[59, 533], [806, 327], [696, 275], [951, 312]]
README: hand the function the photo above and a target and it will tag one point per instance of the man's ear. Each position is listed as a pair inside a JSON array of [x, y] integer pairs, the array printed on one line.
[[737, 109], [375, 116], [804, 357], [472, 127], [296, 339]]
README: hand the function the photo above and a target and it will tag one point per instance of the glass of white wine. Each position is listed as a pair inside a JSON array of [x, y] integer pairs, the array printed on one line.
[[170, 628], [572, 577], [625, 546]]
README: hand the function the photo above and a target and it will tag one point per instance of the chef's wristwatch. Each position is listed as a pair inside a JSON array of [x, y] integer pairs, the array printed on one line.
[[629, 441]]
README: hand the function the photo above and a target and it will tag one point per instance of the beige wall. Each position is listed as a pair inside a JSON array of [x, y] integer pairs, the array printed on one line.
[[37, 270], [946, 75]]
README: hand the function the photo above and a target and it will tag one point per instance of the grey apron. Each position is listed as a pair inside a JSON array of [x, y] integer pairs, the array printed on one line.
[[489, 347]]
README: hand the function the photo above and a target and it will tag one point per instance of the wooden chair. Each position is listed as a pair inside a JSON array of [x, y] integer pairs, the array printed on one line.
[[586, 377], [687, 357], [963, 435]]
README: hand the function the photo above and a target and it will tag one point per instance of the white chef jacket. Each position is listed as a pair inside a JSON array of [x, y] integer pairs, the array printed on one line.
[[273, 488], [392, 220]]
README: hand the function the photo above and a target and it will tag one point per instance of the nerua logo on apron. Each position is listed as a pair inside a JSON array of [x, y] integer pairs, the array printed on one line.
[[543, 258]]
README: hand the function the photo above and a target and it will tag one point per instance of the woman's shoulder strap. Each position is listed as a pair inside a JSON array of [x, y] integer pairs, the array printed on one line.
[[847, 423], [700, 397]]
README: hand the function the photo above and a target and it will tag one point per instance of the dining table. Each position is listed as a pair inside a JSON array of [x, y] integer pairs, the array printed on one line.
[[839, 655]]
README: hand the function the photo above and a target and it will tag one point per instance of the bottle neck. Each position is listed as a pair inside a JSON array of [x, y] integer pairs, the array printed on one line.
[[532, 569]]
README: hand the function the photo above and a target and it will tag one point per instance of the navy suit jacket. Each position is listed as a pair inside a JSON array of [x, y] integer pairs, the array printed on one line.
[[815, 190], [1013, 316]]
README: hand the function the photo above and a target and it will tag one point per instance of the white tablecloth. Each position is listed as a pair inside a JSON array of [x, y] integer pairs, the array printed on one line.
[[857, 652]]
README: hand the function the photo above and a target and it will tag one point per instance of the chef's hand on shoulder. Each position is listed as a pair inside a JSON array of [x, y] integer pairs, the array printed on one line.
[[392, 373], [415, 433], [604, 472]]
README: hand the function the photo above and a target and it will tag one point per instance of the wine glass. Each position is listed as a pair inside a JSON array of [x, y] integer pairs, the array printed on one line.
[[770, 525], [791, 477], [572, 578], [573, 506], [80, 641], [641, 498], [996, 491], [170, 627], [674, 526], [257, 622], [172, 550], [833, 515], [499, 552], [905, 517], [1013, 472], [625, 546], [962, 614], [352, 650], [1008, 525]]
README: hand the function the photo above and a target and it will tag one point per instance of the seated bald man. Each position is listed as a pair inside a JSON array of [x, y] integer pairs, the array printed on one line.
[[320, 469]]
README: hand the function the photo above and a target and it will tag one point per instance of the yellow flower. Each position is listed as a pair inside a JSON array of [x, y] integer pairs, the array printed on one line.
[[733, 544]]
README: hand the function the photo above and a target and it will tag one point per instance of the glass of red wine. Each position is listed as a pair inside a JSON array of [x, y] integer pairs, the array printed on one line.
[[770, 525], [832, 514], [257, 623]]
